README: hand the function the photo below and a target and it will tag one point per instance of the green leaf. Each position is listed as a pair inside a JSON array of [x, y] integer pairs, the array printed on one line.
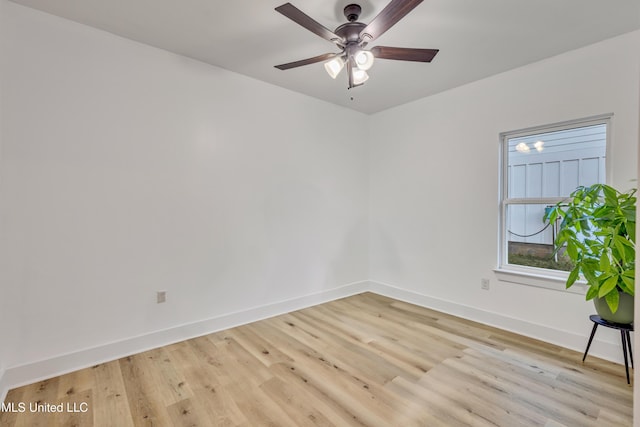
[[613, 300], [629, 280], [620, 248], [630, 228], [627, 285], [589, 273], [629, 213], [610, 195], [550, 214], [573, 276], [592, 292], [623, 241], [604, 262], [572, 251], [607, 286]]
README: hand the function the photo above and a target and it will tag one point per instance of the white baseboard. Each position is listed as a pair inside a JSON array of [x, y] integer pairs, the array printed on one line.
[[4, 386], [32, 372], [37, 371], [602, 349]]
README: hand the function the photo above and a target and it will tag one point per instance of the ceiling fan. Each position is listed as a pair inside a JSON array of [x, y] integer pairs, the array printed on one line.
[[352, 38]]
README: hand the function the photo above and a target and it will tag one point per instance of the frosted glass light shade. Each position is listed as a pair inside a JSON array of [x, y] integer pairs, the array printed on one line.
[[359, 76], [364, 59], [334, 66]]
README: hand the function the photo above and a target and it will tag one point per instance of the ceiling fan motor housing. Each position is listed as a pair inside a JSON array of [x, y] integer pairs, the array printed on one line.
[[350, 31]]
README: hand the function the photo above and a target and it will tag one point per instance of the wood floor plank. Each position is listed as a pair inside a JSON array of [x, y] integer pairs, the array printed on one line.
[[35, 396], [186, 413], [14, 398], [78, 409], [521, 392], [451, 412], [371, 360], [110, 404], [294, 402], [75, 382], [214, 398], [164, 371], [144, 402], [365, 360], [476, 398], [471, 388], [328, 404]]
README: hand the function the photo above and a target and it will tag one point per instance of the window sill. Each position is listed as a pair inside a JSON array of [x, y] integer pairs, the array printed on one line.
[[539, 280]]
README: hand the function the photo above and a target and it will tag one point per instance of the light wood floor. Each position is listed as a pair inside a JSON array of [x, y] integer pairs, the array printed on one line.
[[361, 361]]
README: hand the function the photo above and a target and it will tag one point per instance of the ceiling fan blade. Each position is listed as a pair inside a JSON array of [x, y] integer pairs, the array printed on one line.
[[299, 17], [308, 61], [387, 18], [404, 53]]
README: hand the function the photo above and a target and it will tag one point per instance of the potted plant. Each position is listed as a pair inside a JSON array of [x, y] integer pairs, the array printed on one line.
[[598, 232]]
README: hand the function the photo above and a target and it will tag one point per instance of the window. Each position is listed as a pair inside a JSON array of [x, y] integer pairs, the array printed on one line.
[[541, 167]]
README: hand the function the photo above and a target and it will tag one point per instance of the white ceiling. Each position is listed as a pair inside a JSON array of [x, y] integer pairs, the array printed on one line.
[[476, 38]]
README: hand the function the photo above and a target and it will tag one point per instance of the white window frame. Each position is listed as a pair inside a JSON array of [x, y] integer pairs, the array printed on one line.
[[533, 276]]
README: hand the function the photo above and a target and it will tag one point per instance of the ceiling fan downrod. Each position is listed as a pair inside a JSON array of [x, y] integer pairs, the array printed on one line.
[[352, 12]]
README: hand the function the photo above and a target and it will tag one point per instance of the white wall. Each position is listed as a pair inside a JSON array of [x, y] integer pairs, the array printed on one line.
[[434, 183], [4, 324], [127, 169]]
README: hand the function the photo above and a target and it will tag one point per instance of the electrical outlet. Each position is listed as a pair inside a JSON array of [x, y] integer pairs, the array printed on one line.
[[161, 296], [485, 284]]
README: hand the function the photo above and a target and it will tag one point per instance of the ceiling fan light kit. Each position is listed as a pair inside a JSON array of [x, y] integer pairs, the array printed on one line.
[[352, 37]]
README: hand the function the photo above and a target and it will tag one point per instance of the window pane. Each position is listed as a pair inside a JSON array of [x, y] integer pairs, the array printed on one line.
[[553, 164], [530, 238], [546, 165]]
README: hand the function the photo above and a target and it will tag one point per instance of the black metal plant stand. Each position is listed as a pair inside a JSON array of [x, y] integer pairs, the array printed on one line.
[[624, 329]]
